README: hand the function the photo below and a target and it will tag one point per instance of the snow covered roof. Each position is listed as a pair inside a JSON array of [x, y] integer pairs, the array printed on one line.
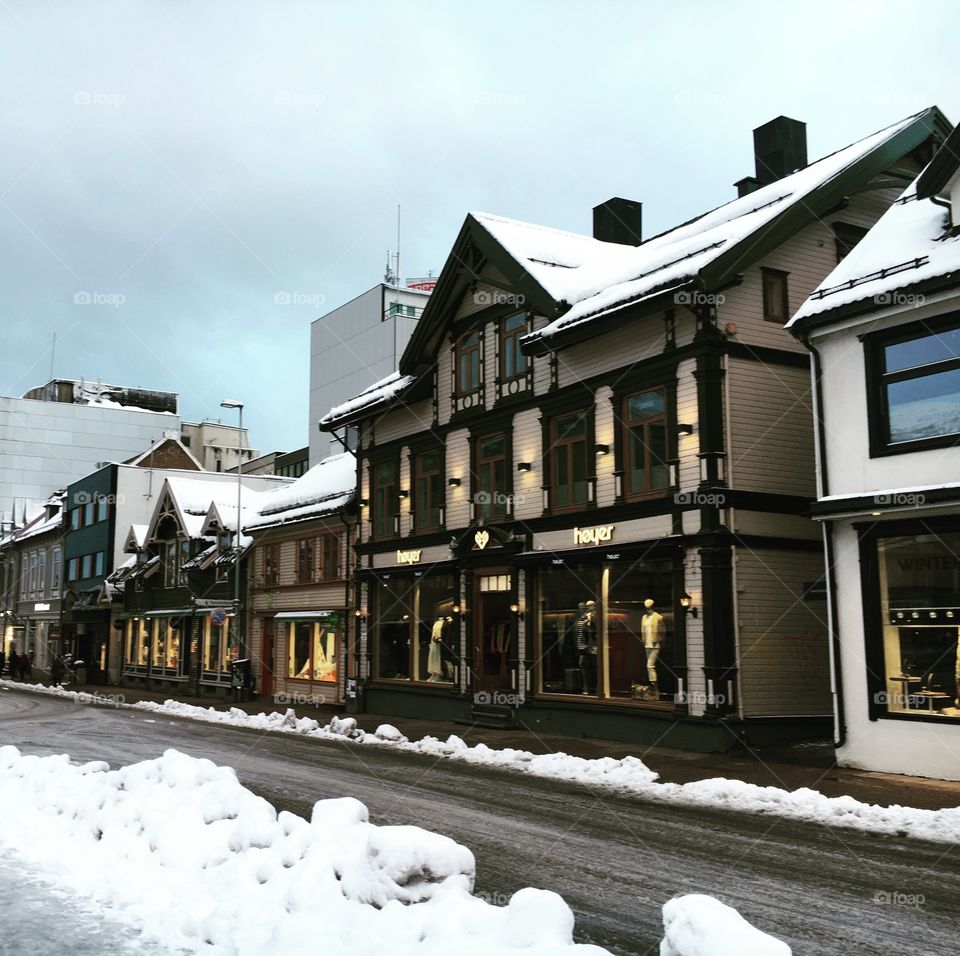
[[380, 393], [39, 525], [911, 244], [324, 489]]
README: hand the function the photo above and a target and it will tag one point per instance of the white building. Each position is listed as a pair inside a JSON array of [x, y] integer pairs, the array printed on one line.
[[884, 330], [356, 345], [61, 431], [217, 446]]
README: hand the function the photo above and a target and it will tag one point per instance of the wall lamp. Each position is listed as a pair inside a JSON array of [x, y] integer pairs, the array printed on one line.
[[360, 616], [363, 502], [456, 609], [685, 428], [524, 465], [603, 449], [403, 493], [453, 482], [515, 609], [686, 602]]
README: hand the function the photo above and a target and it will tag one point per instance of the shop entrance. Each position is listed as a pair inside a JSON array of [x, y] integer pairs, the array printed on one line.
[[266, 659], [492, 632]]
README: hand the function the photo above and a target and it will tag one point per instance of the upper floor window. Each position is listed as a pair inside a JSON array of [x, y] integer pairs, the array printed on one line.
[[645, 466], [846, 237], [168, 561], [914, 386], [89, 509], [468, 363], [776, 296], [42, 573], [55, 573], [305, 561], [385, 500], [103, 507], [492, 492], [86, 566], [428, 490], [271, 564], [330, 557], [73, 569], [99, 564], [569, 470], [513, 363], [76, 516]]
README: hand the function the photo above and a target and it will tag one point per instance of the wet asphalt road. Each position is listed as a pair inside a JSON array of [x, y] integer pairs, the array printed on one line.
[[615, 860]]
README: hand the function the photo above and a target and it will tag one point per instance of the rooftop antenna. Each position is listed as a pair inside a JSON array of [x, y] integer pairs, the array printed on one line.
[[398, 246], [53, 352], [392, 274]]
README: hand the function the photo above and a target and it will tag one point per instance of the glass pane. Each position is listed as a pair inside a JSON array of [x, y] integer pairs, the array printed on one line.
[[325, 651], [938, 347], [436, 631], [300, 634], [645, 405], [515, 322], [924, 407], [569, 630], [492, 446], [636, 472], [391, 629], [659, 470], [578, 455], [571, 426], [562, 478]]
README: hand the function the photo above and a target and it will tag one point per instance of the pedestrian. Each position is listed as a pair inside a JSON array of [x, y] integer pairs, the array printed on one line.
[[14, 664], [3, 661], [26, 666], [57, 671]]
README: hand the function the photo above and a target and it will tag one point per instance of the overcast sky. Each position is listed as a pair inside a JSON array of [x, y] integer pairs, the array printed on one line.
[[184, 164]]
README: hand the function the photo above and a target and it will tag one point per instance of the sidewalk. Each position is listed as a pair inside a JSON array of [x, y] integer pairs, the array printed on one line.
[[789, 767]]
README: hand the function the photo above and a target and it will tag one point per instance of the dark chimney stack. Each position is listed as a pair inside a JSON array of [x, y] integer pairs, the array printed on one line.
[[779, 148], [618, 220]]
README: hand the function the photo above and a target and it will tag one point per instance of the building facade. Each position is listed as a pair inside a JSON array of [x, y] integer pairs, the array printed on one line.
[[584, 493], [218, 447], [884, 333]]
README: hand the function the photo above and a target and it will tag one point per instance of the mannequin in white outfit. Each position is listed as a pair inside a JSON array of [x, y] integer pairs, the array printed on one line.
[[435, 657], [652, 631]]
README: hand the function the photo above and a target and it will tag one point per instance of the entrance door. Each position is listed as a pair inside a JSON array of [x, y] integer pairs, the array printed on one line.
[[492, 632], [266, 659]]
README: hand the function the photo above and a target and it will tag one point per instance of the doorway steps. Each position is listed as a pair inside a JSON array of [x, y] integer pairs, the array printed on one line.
[[491, 717]]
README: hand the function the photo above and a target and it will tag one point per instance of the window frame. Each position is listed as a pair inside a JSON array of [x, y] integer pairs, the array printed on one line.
[[384, 524], [478, 463], [328, 539], [558, 445], [303, 558], [459, 353], [877, 380], [422, 516], [625, 435], [271, 564], [767, 273], [509, 343]]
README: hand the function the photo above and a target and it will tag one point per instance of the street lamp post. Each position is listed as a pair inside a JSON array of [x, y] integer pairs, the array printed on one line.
[[238, 640]]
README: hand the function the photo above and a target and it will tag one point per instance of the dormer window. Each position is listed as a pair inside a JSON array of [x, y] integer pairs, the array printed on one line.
[[468, 363]]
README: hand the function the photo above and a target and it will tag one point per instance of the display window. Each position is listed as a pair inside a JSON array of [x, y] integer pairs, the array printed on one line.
[[570, 619], [312, 648], [414, 628], [217, 641], [166, 645], [137, 643], [919, 585]]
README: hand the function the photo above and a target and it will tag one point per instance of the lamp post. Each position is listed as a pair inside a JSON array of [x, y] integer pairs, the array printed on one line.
[[238, 640]]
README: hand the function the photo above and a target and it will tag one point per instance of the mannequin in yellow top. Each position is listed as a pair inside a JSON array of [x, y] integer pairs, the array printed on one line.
[[652, 631]]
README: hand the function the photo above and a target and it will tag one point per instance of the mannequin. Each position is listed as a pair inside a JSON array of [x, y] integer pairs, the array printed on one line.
[[434, 657], [586, 631], [652, 630]]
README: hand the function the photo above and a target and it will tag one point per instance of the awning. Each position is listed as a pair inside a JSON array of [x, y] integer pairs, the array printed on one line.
[[304, 615], [175, 612]]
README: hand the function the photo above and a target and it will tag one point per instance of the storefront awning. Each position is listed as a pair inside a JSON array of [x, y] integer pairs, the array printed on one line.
[[304, 615], [175, 612]]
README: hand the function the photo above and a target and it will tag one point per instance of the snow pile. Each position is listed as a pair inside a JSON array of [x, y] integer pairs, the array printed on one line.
[[197, 862], [327, 486], [697, 925]]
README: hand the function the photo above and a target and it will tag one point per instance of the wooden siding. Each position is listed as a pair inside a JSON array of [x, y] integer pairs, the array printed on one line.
[[781, 638], [403, 420], [637, 339], [527, 485], [696, 679], [458, 466], [688, 446]]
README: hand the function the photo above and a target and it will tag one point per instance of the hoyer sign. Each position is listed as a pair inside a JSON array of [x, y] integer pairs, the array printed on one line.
[[408, 557], [597, 535]]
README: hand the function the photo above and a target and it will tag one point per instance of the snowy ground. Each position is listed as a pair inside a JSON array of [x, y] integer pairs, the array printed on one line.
[[181, 853]]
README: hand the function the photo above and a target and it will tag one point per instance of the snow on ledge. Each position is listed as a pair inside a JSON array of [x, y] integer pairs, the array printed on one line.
[[628, 775]]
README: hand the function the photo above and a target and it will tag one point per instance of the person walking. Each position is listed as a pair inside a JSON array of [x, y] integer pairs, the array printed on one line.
[[3, 661], [14, 664], [26, 666]]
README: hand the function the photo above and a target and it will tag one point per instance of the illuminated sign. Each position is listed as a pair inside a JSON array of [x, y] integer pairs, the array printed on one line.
[[41, 607], [597, 535], [482, 538], [408, 557]]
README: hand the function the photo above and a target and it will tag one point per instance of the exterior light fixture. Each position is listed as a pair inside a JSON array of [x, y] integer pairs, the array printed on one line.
[[686, 602], [524, 466], [403, 493], [363, 502], [453, 482], [876, 514], [685, 428], [515, 609], [603, 449], [456, 609]]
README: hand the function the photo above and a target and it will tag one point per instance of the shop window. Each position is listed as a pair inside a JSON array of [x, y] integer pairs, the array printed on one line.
[[391, 631], [569, 622], [776, 296], [305, 561], [914, 387], [645, 443], [271, 564], [313, 647], [916, 640], [639, 635], [492, 492], [217, 652], [569, 471], [513, 363], [166, 648], [428, 490], [385, 500], [438, 641], [330, 559], [138, 642], [468, 363]]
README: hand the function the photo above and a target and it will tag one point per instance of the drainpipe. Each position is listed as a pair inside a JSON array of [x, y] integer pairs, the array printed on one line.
[[836, 677]]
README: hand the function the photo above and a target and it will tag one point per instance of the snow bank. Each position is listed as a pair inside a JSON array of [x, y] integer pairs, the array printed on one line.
[[193, 860], [697, 925], [625, 775]]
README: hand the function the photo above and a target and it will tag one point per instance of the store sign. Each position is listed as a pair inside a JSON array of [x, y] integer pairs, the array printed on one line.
[[41, 607], [408, 557], [597, 535], [482, 538]]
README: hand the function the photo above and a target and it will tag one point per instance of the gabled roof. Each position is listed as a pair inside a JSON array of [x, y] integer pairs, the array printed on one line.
[[911, 248], [167, 444], [942, 168]]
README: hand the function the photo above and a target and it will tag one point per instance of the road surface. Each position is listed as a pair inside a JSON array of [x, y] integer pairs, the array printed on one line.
[[615, 859]]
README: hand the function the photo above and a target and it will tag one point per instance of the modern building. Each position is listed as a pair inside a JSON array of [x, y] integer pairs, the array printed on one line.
[[884, 334], [299, 587], [584, 493], [31, 570], [218, 447], [59, 432], [284, 464], [355, 345]]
